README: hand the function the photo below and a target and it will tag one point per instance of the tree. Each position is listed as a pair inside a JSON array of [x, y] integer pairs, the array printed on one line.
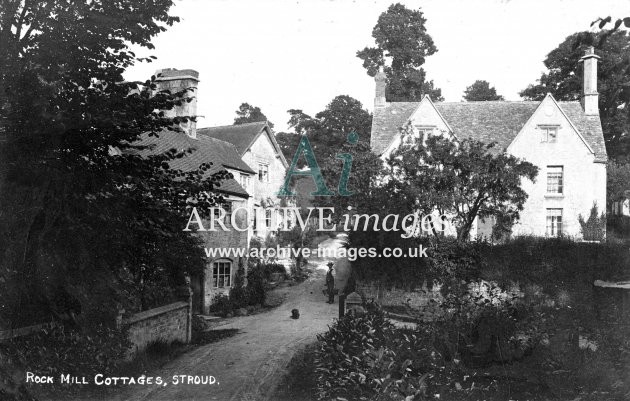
[[367, 169], [618, 181], [481, 91], [594, 228], [465, 179], [93, 216], [402, 45], [564, 82], [328, 130], [247, 113]]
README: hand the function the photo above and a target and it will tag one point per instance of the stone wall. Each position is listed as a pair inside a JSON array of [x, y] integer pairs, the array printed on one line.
[[167, 323], [417, 301]]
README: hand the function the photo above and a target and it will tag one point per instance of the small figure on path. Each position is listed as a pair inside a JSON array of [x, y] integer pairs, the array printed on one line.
[[330, 283]]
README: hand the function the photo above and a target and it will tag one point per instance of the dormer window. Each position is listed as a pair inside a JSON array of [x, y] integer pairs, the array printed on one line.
[[549, 133]]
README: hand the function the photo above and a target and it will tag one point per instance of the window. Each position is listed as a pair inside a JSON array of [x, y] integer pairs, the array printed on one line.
[[255, 225], [244, 181], [549, 133], [554, 222], [222, 274], [227, 207], [555, 180], [268, 218], [263, 172], [419, 131]]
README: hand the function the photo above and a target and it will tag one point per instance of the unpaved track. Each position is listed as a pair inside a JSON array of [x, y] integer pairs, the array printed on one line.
[[248, 366]]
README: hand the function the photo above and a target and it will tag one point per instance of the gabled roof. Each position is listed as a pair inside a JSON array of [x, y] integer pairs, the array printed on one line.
[[222, 155], [490, 121], [227, 153], [242, 136]]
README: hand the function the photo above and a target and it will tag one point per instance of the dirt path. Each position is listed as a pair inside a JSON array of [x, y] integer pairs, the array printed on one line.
[[249, 365]]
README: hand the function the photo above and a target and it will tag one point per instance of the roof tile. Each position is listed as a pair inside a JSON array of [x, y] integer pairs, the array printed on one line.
[[220, 154], [491, 121]]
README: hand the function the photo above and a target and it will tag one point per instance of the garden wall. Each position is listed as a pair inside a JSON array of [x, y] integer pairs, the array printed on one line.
[[417, 299], [167, 323]]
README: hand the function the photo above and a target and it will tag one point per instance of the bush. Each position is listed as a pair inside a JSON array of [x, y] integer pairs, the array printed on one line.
[[593, 229], [366, 357], [59, 350], [222, 304]]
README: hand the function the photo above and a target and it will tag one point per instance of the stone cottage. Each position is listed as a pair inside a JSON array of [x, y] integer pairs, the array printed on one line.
[[564, 139], [257, 146], [218, 277]]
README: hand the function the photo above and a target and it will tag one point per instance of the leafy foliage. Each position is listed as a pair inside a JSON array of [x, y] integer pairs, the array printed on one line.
[[481, 91], [564, 82], [594, 228], [618, 180], [328, 130], [365, 357], [402, 46], [465, 179], [94, 221], [248, 113], [60, 351]]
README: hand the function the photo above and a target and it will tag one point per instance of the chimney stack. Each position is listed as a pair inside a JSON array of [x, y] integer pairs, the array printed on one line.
[[590, 97], [381, 81], [177, 80]]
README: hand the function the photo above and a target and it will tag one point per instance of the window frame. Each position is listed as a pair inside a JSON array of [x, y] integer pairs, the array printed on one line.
[[544, 134], [558, 171], [244, 180], [263, 169], [553, 222], [216, 273]]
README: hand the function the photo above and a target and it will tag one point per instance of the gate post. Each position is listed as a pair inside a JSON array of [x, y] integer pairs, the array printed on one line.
[[342, 305]]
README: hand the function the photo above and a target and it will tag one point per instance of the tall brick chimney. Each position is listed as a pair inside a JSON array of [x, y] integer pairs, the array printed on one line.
[[176, 80], [590, 97], [381, 81]]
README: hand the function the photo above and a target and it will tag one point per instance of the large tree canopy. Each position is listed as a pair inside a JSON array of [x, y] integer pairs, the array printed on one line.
[[465, 179], [481, 91], [248, 113], [564, 81], [85, 216], [402, 46], [328, 130]]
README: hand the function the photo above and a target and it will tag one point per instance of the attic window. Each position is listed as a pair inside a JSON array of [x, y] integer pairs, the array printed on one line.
[[549, 133], [419, 131], [263, 172], [424, 130]]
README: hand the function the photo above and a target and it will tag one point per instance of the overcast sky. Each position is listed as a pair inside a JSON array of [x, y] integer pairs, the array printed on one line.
[[281, 55]]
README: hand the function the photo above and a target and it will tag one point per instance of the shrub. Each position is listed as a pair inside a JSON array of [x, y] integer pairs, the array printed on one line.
[[256, 285], [593, 229], [222, 304], [366, 357], [59, 350]]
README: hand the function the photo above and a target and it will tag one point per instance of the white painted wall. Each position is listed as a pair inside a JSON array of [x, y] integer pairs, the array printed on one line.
[[584, 180]]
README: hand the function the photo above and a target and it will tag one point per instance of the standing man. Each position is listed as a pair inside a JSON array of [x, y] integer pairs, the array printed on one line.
[[330, 283]]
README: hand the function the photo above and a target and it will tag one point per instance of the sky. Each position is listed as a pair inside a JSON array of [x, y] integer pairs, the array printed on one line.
[[280, 55]]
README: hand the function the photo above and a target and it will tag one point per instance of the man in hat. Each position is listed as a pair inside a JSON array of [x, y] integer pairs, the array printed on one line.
[[330, 283]]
